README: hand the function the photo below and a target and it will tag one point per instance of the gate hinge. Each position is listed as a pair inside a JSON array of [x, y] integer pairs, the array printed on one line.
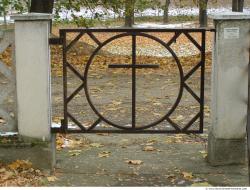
[[55, 41]]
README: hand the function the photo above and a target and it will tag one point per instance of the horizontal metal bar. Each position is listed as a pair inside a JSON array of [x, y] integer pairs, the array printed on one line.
[[211, 29], [55, 41], [128, 66], [136, 29], [59, 130]]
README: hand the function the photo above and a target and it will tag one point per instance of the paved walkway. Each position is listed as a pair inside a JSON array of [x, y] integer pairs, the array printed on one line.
[[141, 160]]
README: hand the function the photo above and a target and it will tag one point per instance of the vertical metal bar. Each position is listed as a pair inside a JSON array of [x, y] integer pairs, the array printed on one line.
[[133, 80], [65, 94], [202, 85], [248, 121]]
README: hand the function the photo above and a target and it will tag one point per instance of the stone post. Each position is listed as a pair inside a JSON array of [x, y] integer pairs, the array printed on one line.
[[33, 81], [226, 141]]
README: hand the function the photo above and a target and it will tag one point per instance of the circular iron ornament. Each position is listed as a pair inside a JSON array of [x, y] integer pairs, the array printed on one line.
[[178, 99]]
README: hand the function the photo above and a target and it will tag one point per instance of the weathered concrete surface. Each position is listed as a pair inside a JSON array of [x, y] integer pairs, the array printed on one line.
[[33, 75], [226, 151], [41, 154], [162, 167], [229, 89]]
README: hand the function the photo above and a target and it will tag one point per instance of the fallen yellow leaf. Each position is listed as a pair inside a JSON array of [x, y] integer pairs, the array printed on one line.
[[96, 145], [187, 175], [104, 154], [2, 121], [134, 162], [2, 170], [204, 154], [148, 148], [204, 184], [52, 178], [20, 164]]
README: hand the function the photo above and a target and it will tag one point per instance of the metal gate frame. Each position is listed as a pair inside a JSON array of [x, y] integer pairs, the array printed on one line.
[[133, 33]]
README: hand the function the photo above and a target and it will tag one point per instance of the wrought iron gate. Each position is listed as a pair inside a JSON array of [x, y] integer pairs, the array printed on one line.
[[134, 34]]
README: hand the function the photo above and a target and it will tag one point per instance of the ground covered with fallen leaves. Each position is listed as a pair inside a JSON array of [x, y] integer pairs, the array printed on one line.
[[20, 173]]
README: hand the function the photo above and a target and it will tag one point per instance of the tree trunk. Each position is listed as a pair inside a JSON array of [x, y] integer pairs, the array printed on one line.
[[166, 8], [4, 18], [129, 13], [237, 5], [42, 6], [203, 13]]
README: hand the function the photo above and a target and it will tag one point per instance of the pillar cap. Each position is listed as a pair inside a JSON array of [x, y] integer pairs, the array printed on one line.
[[231, 16], [31, 16]]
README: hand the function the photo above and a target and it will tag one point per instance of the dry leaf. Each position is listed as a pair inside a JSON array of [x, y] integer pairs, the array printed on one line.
[[20, 164], [7, 175], [187, 175], [116, 103], [104, 154], [75, 154], [204, 153], [179, 118], [2, 121], [157, 114], [149, 144], [148, 148], [52, 178], [73, 151], [157, 104], [2, 170], [204, 184], [96, 145], [134, 162], [170, 176]]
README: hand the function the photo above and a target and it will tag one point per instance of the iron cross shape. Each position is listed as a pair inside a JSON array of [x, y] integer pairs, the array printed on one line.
[[133, 66]]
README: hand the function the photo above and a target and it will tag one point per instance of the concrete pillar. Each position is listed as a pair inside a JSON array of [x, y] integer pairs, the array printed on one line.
[[226, 142], [33, 75], [33, 80]]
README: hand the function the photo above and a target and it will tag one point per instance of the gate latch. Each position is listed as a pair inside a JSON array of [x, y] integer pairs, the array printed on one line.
[[55, 41]]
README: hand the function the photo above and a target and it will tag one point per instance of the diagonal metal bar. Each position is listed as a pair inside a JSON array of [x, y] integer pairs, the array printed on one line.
[[192, 71], [94, 124], [174, 38], [76, 122], [72, 68], [190, 123], [92, 36], [191, 92], [75, 93], [74, 41], [193, 41], [177, 128]]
